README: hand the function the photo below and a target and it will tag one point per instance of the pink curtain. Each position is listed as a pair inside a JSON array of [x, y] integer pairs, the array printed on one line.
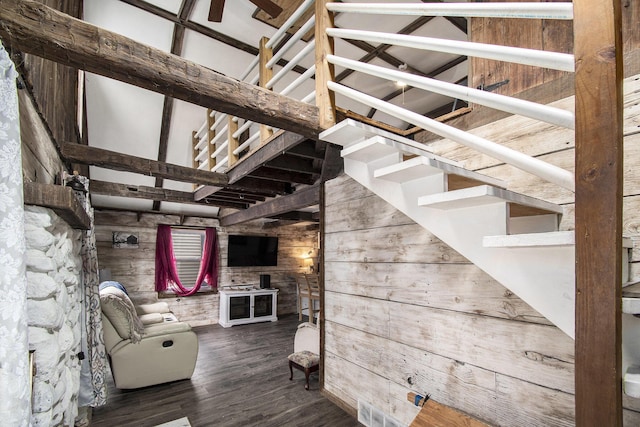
[[166, 271]]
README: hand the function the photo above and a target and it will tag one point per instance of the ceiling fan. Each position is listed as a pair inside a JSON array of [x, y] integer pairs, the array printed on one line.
[[217, 6]]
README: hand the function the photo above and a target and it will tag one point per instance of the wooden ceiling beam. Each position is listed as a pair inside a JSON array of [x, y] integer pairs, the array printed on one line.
[[157, 194], [167, 109], [205, 31], [292, 164], [279, 143], [123, 162], [300, 199], [272, 174], [34, 28]]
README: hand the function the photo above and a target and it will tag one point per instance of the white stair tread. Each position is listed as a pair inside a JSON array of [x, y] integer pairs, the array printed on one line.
[[630, 305], [632, 381], [483, 195], [422, 166], [350, 131], [367, 150], [552, 238]]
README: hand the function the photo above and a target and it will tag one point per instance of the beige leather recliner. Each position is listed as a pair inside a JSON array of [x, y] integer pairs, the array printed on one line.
[[146, 344]]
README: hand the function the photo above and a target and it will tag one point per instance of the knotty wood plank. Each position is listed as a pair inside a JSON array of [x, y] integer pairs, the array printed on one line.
[[35, 28], [41, 161], [61, 199], [434, 414], [123, 162], [456, 287], [411, 243], [539, 354], [599, 160]]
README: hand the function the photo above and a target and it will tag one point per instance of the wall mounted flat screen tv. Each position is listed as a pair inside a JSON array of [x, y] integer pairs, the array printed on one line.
[[250, 251]]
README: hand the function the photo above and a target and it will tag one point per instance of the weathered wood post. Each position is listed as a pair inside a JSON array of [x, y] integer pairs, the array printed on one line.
[[325, 99], [265, 74], [598, 218], [233, 142]]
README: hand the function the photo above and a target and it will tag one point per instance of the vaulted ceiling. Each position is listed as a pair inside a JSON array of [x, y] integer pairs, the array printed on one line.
[[130, 120]]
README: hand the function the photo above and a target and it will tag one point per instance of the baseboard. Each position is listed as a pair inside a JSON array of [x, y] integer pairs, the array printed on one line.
[[340, 403]]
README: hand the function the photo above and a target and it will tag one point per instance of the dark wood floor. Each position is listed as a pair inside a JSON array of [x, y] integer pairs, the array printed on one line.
[[241, 379]]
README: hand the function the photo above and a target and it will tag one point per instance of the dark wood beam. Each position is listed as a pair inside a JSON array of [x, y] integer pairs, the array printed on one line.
[[278, 144], [60, 199], [123, 162], [300, 199], [296, 216], [333, 164], [205, 31], [35, 28], [156, 194], [292, 164], [306, 150], [598, 211], [272, 174], [258, 186], [165, 125]]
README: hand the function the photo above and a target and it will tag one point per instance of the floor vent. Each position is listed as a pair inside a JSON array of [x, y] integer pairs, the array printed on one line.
[[371, 416]]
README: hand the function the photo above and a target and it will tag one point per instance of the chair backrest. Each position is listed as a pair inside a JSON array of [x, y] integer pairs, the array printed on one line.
[[307, 338]]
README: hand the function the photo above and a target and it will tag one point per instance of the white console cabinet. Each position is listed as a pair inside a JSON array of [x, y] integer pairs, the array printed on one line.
[[241, 305]]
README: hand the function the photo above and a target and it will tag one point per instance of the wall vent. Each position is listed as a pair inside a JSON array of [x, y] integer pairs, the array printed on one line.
[[370, 416]]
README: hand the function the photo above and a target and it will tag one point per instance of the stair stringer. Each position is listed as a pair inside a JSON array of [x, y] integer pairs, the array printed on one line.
[[543, 277]]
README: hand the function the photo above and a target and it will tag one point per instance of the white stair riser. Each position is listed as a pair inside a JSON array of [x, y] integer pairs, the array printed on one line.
[[532, 224]]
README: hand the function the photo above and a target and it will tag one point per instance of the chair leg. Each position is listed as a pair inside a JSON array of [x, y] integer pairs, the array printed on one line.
[[306, 376], [291, 370]]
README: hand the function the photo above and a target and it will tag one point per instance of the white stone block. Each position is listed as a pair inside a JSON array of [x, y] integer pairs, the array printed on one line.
[[45, 314], [37, 216], [59, 390], [38, 238], [63, 255], [65, 338], [43, 399], [41, 419], [69, 278], [47, 355], [41, 286], [39, 261]]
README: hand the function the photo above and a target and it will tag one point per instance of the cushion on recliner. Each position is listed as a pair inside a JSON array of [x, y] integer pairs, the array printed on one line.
[[117, 306], [151, 318]]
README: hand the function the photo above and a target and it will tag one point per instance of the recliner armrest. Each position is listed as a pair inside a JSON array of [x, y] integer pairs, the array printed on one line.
[[157, 329], [156, 307]]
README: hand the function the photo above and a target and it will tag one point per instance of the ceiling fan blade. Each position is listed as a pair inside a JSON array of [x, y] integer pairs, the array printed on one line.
[[268, 6], [215, 10]]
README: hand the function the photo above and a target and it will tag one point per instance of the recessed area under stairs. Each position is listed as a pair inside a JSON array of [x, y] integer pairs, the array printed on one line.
[[241, 379], [512, 237]]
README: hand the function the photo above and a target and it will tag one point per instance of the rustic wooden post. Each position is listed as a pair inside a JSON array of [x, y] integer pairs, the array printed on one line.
[[232, 143], [325, 99], [598, 163], [266, 73], [194, 151], [211, 133]]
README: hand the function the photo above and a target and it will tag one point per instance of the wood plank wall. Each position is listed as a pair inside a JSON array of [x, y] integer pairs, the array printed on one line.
[[135, 268], [404, 312]]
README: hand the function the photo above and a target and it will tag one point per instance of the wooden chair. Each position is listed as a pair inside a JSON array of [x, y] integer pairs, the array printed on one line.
[[306, 351], [313, 292]]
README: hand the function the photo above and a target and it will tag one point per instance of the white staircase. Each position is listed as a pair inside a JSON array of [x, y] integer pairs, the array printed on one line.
[[512, 237], [471, 212]]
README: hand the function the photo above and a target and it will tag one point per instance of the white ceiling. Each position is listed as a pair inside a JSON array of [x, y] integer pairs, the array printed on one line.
[[127, 119]]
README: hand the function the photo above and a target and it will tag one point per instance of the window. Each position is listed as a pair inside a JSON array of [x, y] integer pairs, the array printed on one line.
[[185, 259], [187, 248]]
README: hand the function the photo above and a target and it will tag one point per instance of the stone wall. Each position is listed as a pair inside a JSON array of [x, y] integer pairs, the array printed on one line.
[[54, 305]]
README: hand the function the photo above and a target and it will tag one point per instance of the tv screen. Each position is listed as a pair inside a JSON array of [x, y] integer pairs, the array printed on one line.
[[248, 251]]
